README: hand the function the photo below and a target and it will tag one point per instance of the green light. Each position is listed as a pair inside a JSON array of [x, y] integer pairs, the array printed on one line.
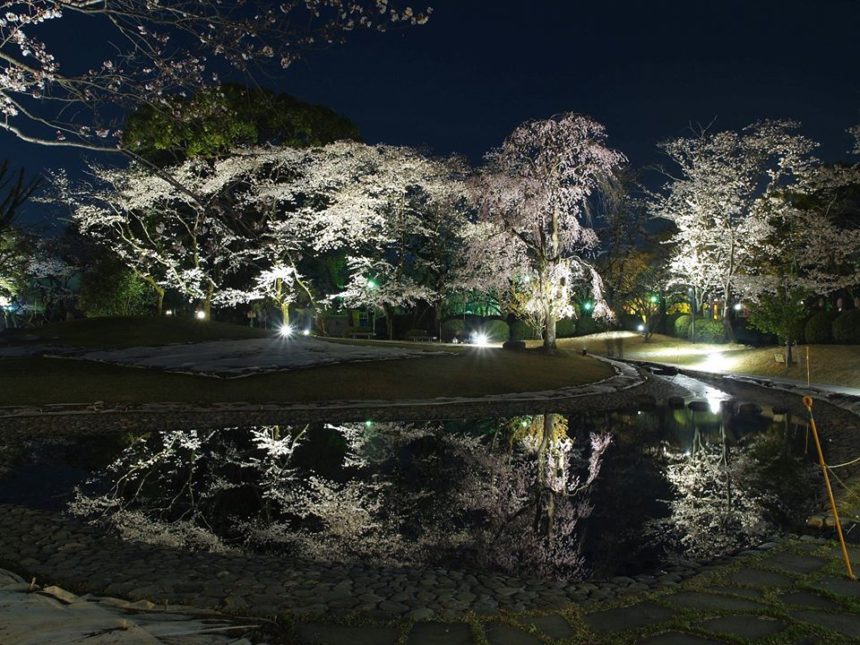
[[371, 284], [654, 299], [368, 424], [524, 423], [587, 306]]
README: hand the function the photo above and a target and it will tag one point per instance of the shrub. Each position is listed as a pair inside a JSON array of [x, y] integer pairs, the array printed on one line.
[[112, 290], [523, 331], [682, 326], [585, 325], [454, 328], [846, 327], [496, 330], [709, 331], [667, 324], [818, 328], [565, 328]]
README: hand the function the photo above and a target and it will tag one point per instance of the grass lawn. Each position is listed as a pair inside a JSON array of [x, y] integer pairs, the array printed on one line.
[[828, 364], [470, 372], [115, 333]]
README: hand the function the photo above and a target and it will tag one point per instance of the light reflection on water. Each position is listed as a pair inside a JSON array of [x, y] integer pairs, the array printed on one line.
[[563, 496]]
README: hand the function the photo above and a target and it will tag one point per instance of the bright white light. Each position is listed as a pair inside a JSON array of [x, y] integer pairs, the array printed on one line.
[[200, 314], [481, 340], [714, 403], [285, 330], [738, 306], [641, 328], [169, 312], [4, 301], [716, 362], [306, 332]]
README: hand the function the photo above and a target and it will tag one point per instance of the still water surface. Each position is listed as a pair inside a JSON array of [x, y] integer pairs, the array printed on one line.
[[566, 496]]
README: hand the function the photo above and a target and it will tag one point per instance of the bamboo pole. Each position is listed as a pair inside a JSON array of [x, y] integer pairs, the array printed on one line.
[[807, 366], [807, 401]]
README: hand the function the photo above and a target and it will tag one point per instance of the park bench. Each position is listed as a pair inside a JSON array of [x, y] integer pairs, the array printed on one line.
[[359, 333], [418, 336]]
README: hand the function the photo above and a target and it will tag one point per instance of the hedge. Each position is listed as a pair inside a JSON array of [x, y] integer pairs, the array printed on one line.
[[682, 326], [455, 327], [497, 331], [565, 328], [523, 331], [846, 327], [709, 331], [818, 328]]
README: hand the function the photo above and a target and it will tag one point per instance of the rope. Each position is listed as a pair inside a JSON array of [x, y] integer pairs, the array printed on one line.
[[847, 463]]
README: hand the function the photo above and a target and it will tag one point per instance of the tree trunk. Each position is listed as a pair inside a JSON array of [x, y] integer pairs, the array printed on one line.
[[207, 303], [285, 312], [544, 519], [549, 343], [728, 330], [159, 302], [389, 321]]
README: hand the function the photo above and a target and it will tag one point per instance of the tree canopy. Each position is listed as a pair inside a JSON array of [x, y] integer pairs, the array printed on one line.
[[215, 121]]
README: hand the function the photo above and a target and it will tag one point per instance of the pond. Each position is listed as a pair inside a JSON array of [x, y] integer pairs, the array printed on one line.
[[562, 496]]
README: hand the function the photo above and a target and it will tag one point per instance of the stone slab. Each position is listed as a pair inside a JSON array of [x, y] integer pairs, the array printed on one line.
[[635, 616], [500, 634], [794, 562], [759, 578], [746, 592], [839, 586], [744, 627], [552, 625], [701, 600], [439, 634], [843, 622], [323, 634], [807, 599], [676, 638]]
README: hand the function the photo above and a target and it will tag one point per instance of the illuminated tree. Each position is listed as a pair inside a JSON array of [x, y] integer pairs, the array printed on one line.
[[533, 197], [264, 210], [711, 199]]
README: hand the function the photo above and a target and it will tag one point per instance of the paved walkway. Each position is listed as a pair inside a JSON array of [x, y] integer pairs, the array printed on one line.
[[791, 592]]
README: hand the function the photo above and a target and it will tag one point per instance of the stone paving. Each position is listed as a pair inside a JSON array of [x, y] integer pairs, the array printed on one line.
[[790, 591]]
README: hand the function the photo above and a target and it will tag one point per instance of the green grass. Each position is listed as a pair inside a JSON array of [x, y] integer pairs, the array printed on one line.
[[469, 372], [113, 333], [828, 364], [37, 381]]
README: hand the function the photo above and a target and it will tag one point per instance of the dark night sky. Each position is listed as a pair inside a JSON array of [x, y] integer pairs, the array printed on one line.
[[646, 69]]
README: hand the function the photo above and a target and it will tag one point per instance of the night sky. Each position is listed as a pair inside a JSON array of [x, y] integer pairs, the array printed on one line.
[[647, 70]]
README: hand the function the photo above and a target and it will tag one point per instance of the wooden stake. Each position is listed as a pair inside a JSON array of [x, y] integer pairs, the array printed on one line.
[[807, 401]]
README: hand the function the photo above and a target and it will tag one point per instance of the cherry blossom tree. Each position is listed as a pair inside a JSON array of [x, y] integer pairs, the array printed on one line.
[[533, 196], [711, 201], [810, 249], [157, 49], [169, 238], [386, 207], [261, 211]]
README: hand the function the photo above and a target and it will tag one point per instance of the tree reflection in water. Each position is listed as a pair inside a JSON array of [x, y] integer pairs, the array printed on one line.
[[536, 495], [507, 495]]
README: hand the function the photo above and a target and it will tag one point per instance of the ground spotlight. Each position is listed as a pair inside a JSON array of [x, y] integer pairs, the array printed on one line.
[[200, 314], [306, 332], [480, 339], [285, 330]]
